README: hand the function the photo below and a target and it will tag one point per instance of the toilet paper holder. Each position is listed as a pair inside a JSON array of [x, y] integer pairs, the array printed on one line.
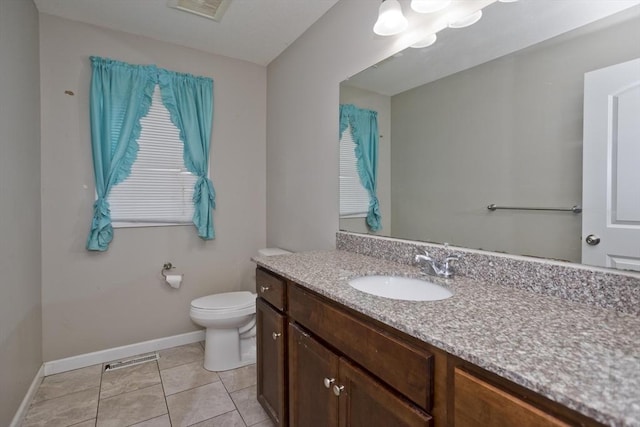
[[166, 267]]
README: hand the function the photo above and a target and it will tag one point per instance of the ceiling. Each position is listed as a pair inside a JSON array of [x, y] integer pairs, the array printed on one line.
[[252, 30], [503, 29]]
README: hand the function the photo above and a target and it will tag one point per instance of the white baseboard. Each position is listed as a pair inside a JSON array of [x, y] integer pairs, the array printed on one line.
[[18, 418], [88, 359]]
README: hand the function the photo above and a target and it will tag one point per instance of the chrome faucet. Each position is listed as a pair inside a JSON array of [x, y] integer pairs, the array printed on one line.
[[434, 268]]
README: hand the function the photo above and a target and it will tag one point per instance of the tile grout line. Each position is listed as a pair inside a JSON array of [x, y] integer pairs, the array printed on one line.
[[57, 397], [238, 409], [193, 388], [164, 394], [62, 395], [84, 421], [219, 415], [131, 391], [234, 404], [180, 364], [102, 371]]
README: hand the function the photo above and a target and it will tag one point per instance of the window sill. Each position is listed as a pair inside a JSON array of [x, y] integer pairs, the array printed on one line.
[[147, 224]]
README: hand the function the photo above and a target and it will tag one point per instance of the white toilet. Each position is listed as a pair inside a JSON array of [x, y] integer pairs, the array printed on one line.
[[230, 319]]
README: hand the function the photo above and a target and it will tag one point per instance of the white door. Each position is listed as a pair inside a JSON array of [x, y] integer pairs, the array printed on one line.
[[611, 167]]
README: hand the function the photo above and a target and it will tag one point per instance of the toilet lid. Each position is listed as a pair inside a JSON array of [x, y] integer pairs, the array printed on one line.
[[225, 301]]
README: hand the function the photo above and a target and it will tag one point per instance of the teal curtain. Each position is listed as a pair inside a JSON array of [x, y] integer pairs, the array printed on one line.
[[364, 130], [120, 96], [189, 100]]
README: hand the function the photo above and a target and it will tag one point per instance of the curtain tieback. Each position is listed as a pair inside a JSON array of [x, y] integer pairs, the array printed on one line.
[[373, 217], [204, 184], [101, 229]]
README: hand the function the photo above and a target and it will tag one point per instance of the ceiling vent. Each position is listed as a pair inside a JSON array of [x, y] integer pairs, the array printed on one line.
[[212, 9]]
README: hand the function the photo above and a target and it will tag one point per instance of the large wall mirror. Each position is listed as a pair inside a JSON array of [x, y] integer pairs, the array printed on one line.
[[495, 114]]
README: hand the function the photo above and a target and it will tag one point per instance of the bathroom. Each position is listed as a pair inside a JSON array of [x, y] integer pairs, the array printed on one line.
[[59, 300]]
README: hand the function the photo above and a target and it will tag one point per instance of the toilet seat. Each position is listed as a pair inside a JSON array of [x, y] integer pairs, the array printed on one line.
[[229, 301], [223, 306]]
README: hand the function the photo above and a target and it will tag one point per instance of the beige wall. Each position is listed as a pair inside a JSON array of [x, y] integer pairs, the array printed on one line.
[[382, 105], [302, 103], [20, 288], [93, 301], [507, 132]]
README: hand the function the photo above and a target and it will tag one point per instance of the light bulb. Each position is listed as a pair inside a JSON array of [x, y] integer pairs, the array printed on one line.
[[466, 21], [390, 21], [426, 42], [429, 6]]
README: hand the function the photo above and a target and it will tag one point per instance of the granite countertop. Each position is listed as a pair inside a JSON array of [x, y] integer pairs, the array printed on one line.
[[583, 357]]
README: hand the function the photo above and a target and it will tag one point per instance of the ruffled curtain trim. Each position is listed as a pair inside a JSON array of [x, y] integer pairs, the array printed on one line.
[[202, 216]]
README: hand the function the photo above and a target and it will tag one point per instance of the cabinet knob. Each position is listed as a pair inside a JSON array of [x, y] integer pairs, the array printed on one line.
[[264, 288], [328, 382], [275, 335], [337, 389]]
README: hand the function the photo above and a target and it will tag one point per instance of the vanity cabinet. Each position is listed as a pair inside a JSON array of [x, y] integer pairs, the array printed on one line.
[[323, 364], [271, 346]]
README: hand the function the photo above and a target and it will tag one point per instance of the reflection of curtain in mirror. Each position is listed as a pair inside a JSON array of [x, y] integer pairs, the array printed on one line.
[[364, 130]]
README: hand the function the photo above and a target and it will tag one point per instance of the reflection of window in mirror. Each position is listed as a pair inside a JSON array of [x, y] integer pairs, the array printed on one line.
[[354, 198]]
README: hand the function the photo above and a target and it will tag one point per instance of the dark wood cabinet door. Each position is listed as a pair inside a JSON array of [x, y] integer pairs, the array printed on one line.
[[364, 402], [271, 361], [478, 404], [313, 370]]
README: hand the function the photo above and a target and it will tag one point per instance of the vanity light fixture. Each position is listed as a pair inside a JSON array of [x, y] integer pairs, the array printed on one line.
[[390, 21], [466, 21], [429, 6], [426, 42]]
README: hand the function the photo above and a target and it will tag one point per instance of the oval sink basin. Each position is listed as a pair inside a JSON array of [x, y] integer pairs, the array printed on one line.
[[401, 288]]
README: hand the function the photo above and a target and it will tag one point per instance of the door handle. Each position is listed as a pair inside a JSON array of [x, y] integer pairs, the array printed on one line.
[[592, 240], [275, 335], [337, 389]]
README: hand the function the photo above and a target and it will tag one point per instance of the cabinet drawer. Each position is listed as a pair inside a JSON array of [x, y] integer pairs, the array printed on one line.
[[407, 369], [478, 404], [271, 288]]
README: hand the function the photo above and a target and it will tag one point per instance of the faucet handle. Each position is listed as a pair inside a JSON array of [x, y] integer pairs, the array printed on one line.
[[426, 254], [420, 257], [454, 257]]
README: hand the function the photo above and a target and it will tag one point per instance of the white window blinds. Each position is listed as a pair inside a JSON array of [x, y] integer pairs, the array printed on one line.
[[159, 189], [354, 198]]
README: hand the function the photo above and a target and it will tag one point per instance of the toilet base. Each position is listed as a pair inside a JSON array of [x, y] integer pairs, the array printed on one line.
[[224, 350]]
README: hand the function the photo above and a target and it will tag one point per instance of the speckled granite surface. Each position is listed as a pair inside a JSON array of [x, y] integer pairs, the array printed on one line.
[[584, 357], [600, 288]]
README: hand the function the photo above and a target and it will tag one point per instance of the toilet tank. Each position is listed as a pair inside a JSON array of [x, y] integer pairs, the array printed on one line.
[[272, 252]]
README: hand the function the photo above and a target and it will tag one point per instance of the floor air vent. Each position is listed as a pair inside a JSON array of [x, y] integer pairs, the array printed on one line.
[[112, 366]]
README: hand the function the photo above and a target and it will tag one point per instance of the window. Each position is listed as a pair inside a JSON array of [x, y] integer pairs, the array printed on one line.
[[354, 198], [159, 189]]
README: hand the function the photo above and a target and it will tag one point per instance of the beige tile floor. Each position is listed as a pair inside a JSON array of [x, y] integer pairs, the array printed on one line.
[[175, 391]]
